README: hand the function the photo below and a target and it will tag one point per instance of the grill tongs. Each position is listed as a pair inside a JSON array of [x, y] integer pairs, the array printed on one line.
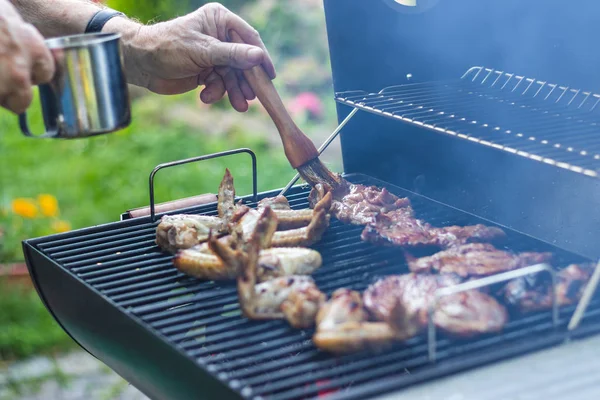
[[299, 149]]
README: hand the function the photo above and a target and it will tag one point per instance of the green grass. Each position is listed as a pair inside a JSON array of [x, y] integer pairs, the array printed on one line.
[[27, 327]]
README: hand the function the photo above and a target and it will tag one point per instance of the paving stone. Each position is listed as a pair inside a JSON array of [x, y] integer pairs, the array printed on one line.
[[86, 379], [79, 363], [47, 390], [30, 369]]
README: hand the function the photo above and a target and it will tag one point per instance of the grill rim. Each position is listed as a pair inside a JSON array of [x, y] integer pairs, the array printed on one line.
[[32, 251]]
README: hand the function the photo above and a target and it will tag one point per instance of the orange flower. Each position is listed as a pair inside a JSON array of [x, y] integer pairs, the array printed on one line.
[[24, 207], [61, 226], [48, 205]]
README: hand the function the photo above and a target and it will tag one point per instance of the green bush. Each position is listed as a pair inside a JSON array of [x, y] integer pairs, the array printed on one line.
[[27, 327]]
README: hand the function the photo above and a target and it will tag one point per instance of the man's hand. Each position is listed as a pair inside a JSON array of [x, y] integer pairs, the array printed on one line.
[[179, 55], [24, 60]]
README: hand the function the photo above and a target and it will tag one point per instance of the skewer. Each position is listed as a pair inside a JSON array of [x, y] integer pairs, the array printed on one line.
[[585, 299]]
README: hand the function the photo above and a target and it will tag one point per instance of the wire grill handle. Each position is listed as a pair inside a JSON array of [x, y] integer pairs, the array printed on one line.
[[489, 280], [201, 158]]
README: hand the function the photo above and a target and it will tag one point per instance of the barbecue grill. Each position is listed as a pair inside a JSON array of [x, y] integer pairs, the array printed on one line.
[[479, 113]]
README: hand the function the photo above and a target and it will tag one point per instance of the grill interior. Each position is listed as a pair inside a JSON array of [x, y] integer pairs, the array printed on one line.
[[542, 121], [269, 359]]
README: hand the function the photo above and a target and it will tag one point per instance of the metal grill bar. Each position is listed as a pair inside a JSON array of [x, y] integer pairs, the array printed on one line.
[[269, 359], [534, 119]]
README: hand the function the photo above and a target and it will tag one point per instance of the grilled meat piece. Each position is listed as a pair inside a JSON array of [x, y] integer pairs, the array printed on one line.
[[449, 236], [358, 204], [397, 228], [220, 259], [534, 292], [343, 326], [278, 202], [226, 197], [301, 304], [305, 236], [401, 228], [475, 260], [272, 263], [269, 299], [276, 298], [183, 231], [292, 219], [463, 314]]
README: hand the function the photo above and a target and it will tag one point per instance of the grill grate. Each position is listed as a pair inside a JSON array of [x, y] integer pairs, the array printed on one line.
[[269, 359], [545, 122]]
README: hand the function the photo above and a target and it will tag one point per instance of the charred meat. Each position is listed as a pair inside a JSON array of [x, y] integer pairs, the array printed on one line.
[[357, 204], [475, 260], [534, 292], [401, 228], [463, 314]]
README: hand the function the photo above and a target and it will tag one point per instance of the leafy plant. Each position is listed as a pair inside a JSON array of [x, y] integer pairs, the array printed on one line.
[[27, 327]]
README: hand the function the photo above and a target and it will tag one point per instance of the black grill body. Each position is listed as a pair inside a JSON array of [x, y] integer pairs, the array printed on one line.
[[380, 45], [175, 337]]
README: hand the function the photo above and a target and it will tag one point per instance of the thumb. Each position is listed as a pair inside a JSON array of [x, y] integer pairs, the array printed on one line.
[[236, 55]]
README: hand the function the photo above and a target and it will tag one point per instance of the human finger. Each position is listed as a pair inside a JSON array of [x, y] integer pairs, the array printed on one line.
[[19, 99], [41, 60], [236, 97], [235, 55], [214, 88], [251, 36], [244, 86]]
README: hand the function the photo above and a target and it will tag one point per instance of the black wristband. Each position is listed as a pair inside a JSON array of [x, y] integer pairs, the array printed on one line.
[[99, 19]]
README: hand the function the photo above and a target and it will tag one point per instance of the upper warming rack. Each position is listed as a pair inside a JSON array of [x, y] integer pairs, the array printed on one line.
[[542, 121]]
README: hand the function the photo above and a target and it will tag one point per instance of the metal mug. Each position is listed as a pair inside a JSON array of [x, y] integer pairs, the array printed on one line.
[[88, 94]]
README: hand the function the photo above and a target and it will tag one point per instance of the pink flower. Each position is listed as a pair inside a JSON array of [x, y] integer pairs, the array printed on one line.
[[307, 102]]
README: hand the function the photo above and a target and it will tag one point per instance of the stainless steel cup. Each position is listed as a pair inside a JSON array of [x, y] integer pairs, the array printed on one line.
[[88, 94]]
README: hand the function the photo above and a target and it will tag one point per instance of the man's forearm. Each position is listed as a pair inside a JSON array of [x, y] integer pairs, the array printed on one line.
[[57, 17], [70, 17]]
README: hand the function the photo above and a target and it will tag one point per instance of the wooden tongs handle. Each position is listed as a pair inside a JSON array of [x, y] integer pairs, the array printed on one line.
[[299, 149]]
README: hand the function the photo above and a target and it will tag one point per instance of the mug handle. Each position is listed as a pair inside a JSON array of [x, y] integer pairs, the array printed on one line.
[[25, 128]]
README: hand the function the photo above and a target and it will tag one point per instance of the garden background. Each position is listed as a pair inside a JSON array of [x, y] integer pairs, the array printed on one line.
[[50, 186]]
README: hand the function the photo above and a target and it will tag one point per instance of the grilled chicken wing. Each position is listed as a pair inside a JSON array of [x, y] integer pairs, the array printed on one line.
[[272, 263], [297, 227], [343, 326], [226, 197], [277, 298], [183, 231], [306, 236], [276, 203]]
